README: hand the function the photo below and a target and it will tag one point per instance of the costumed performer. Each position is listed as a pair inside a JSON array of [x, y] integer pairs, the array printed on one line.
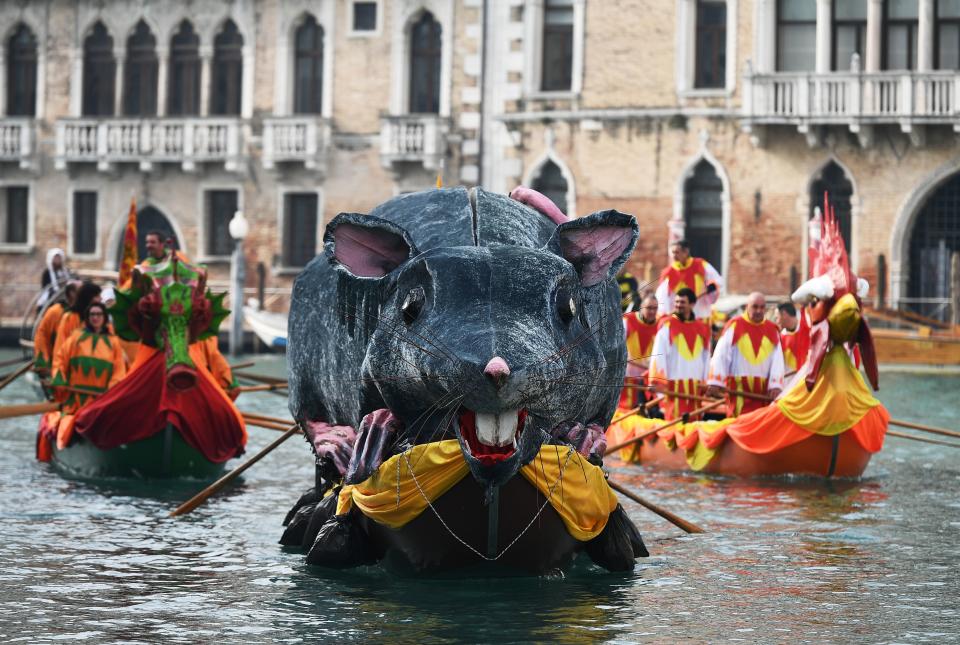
[[692, 273]]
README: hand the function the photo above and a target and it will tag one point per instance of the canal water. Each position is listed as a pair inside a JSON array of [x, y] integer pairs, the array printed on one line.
[[782, 561]]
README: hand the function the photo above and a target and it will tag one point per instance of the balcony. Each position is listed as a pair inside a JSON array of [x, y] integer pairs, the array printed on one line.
[[296, 140], [856, 100], [17, 141], [187, 142], [417, 138]]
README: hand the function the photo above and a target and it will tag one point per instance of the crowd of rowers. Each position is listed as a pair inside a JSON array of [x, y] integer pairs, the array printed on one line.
[[680, 356], [76, 353]]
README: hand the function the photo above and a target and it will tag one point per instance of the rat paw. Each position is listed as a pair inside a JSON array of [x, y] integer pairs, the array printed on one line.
[[332, 444], [377, 430]]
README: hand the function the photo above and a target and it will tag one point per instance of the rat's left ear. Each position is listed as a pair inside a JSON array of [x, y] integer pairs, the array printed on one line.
[[367, 246], [596, 245]]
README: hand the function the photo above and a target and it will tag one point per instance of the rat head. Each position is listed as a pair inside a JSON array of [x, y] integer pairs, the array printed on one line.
[[494, 344], [169, 315]]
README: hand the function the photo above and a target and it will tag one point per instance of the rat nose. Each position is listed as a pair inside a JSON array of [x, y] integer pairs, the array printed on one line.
[[497, 371]]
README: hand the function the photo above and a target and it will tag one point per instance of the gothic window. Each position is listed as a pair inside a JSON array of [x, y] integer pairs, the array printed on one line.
[[149, 219], [99, 73], [299, 229], [227, 71], [948, 34], [220, 205], [22, 73], [900, 23], [308, 68], [934, 239], [849, 32], [140, 73], [711, 43], [557, 73], [425, 51], [796, 35], [183, 95], [551, 183], [703, 214], [15, 215], [833, 181], [84, 222]]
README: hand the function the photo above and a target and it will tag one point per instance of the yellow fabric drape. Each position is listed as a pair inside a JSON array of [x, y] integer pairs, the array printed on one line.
[[838, 401], [584, 506]]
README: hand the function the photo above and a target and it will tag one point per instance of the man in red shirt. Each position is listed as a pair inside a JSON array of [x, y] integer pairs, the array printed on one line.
[[640, 327]]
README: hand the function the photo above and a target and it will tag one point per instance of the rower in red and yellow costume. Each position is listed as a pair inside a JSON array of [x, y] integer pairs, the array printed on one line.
[[91, 360], [681, 356], [794, 335], [45, 336], [691, 273], [640, 328], [747, 358]]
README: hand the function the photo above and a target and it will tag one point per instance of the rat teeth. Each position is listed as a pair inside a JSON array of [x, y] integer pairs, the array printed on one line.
[[498, 429]]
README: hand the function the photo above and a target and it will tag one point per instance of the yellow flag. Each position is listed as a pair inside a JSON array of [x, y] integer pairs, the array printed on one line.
[[130, 259]]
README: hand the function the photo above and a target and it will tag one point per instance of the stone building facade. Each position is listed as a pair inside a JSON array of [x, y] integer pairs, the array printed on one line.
[[722, 121]]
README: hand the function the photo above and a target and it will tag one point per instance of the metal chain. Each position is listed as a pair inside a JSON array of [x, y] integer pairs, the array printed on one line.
[[461, 540]]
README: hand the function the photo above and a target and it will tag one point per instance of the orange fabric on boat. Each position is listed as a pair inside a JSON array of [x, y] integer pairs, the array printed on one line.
[[393, 497], [47, 434]]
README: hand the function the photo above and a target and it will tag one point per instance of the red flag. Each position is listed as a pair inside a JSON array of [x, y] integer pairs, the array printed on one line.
[[129, 259]]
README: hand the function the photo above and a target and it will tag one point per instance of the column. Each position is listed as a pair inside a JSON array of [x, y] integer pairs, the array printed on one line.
[[247, 80], [120, 57], [206, 64], [76, 84], [824, 35], [874, 28], [163, 56], [3, 84], [925, 37]]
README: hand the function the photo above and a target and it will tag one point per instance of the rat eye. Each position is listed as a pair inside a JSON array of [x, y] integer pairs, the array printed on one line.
[[566, 307], [412, 305]]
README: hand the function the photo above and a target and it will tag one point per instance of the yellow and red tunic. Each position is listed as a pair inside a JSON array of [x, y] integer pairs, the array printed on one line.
[[696, 274], [639, 337], [679, 363], [747, 358], [43, 339], [795, 344], [85, 361]]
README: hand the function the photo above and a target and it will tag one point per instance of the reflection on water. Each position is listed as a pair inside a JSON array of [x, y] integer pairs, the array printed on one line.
[[871, 560]]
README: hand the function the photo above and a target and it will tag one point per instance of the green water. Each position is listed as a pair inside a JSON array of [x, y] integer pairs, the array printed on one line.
[[871, 561]]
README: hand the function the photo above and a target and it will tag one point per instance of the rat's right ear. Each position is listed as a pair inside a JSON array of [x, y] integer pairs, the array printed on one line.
[[367, 246]]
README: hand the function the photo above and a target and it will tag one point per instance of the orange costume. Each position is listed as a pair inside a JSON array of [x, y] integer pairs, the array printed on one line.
[[87, 361], [46, 334], [70, 321], [747, 358], [214, 361], [697, 274], [796, 343], [679, 362], [639, 337]]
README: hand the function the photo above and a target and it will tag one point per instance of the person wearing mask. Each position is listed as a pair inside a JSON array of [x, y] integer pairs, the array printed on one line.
[[681, 356], [747, 359], [688, 272], [86, 365]]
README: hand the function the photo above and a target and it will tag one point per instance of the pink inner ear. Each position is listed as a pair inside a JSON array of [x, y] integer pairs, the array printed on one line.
[[594, 250], [540, 202], [368, 252]]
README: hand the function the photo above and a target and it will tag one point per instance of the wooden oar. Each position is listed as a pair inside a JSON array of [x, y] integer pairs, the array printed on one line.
[[644, 435], [27, 409], [266, 387], [11, 361], [240, 366], [13, 376], [264, 417], [205, 494], [259, 378], [919, 426], [903, 435], [689, 527]]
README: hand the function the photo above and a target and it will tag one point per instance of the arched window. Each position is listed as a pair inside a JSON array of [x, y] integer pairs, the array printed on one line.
[[22, 73], [425, 50], [99, 73], [935, 237], [839, 190], [149, 219], [227, 70], [551, 183], [308, 68], [140, 73], [183, 97], [703, 214]]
